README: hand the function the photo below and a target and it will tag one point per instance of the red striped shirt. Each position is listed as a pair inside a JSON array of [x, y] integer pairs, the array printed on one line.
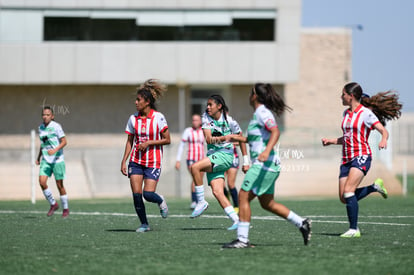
[[195, 140], [356, 127], [144, 129]]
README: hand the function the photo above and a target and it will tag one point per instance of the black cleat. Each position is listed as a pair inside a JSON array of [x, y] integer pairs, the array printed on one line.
[[237, 244], [306, 230]]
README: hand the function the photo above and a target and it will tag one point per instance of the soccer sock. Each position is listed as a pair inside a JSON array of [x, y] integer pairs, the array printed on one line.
[[362, 192], [64, 201], [49, 196], [140, 208], [152, 197], [235, 197], [193, 196], [295, 219], [229, 210], [199, 193], [243, 231], [352, 209]]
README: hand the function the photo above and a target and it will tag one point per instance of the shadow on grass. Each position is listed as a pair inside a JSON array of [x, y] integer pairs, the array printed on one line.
[[201, 228], [327, 234], [30, 217], [119, 230]]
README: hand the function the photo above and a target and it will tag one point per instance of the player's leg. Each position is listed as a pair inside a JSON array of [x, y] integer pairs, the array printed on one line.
[[150, 185], [231, 182], [59, 170], [217, 186], [44, 173], [197, 170], [377, 186], [193, 193], [352, 181], [136, 177]]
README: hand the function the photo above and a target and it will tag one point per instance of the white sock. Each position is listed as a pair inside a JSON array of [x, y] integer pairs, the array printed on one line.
[[49, 196], [243, 231], [200, 193], [295, 219], [229, 210], [64, 200]]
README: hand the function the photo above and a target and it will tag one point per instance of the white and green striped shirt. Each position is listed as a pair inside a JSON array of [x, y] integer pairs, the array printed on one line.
[[258, 135], [220, 127], [50, 136]]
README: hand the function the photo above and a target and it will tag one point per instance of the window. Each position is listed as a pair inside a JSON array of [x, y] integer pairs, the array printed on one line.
[[162, 26]]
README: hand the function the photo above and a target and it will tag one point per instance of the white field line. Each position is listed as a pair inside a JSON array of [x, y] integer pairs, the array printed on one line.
[[221, 217]]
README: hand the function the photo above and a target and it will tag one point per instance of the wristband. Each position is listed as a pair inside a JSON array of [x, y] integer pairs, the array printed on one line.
[[246, 160]]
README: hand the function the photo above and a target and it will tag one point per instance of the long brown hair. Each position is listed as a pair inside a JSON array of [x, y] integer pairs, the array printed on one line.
[[385, 105], [151, 90], [268, 96]]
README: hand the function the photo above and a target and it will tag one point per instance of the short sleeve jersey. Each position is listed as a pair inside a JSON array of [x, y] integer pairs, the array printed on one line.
[[195, 140], [258, 135], [220, 127], [50, 136], [144, 129], [356, 127]]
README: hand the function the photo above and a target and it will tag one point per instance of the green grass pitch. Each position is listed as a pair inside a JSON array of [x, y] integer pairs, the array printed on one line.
[[99, 238]]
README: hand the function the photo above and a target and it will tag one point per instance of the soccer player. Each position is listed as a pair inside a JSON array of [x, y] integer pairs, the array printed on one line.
[[363, 115], [147, 132], [195, 138], [216, 126], [51, 160], [262, 136]]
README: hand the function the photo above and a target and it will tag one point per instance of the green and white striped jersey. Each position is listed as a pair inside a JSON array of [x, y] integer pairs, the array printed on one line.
[[258, 135], [220, 127], [50, 136]]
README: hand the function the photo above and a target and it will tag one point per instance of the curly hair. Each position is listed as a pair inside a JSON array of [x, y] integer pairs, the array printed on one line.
[[151, 90], [268, 96], [385, 105]]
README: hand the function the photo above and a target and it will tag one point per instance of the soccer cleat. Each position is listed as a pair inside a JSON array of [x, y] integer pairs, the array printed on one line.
[[52, 209], [234, 226], [352, 233], [236, 209], [65, 213], [199, 209], [379, 185], [237, 244], [306, 230], [143, 228], [163, 208], [193, 205]]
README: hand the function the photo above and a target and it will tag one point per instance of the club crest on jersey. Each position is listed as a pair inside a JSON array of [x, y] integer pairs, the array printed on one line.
[[270, 123]]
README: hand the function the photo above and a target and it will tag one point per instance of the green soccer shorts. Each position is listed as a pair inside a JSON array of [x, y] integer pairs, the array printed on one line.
[[221, 163], [261, 181], [58, 169]]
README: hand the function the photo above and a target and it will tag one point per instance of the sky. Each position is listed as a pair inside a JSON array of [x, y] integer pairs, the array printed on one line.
[[383, 51]]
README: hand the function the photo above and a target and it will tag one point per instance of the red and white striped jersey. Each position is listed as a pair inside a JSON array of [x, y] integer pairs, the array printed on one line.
[[143, 129], [356, 127], [195, 140]]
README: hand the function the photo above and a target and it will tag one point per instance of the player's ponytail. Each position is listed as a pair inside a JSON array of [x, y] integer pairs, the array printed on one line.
[[151, 90], [268, 96], [384, 105]]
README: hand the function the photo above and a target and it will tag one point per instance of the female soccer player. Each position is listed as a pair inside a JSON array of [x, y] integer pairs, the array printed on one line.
[[195, 138], [147, 132], [216, 126], [51, 160], [363, 115], [262, 136]]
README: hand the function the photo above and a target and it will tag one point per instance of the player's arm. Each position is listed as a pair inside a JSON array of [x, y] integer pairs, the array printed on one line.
[[246, 160], [62, 143], [274, 137], [212, 140], [128, 148], [384, 133], [39, 156], [179, 153], [332, 141]]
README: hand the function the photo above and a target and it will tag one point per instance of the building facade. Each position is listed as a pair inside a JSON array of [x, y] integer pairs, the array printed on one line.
[[86, 58]]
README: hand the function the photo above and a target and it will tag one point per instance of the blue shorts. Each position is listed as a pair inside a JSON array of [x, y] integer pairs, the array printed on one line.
[[236, 162], [363, 163], [190, 162], [149, 173]]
